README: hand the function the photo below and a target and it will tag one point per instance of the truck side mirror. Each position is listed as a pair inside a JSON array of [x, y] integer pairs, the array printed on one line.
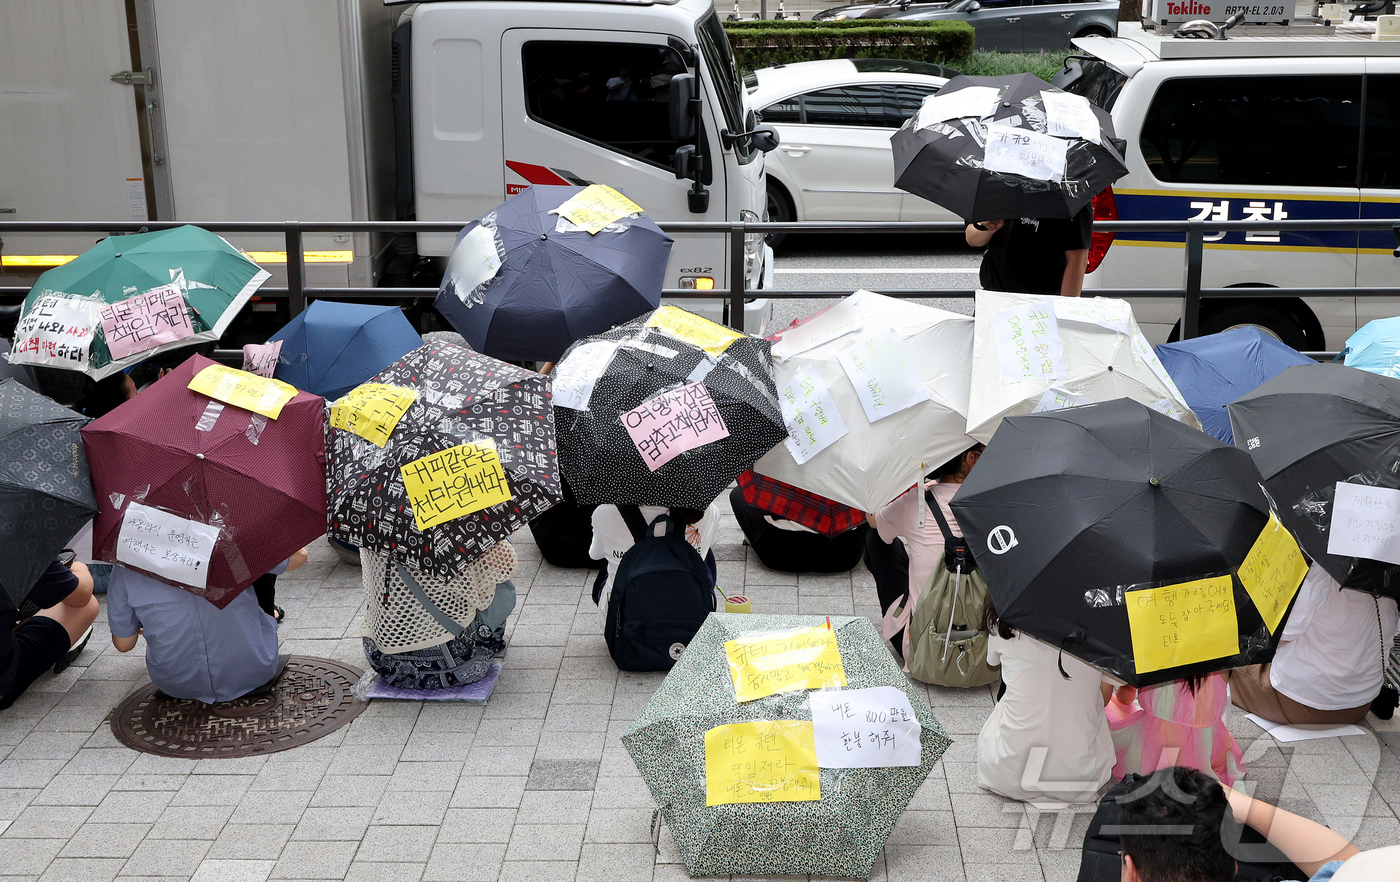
[[684, 107], [686, 163], [765, 138]]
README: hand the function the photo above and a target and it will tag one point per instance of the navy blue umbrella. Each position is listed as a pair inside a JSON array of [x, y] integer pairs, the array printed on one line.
[[557, 283], [332, 347], [1214, 370]]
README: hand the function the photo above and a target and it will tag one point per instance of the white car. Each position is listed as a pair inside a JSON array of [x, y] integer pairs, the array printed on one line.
[[835, 119]]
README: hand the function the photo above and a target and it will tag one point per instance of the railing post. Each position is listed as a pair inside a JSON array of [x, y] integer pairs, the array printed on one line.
[[735, 299], [296, 270], [1191, 303]]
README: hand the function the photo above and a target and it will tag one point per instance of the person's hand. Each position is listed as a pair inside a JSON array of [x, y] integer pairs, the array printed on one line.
[[990, 226]]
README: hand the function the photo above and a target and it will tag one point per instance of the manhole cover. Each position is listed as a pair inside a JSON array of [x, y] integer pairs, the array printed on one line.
[[312, 699]]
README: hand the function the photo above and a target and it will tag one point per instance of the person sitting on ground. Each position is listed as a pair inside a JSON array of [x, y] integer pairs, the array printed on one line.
[[1328, 666], [1047, 740], [52, 637], [1179, 723], [1029, 255], [194, 650], [790, 547], [612, 539], [1156, 816]]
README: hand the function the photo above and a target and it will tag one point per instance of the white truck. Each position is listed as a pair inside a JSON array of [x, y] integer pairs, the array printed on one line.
[[329, 110]]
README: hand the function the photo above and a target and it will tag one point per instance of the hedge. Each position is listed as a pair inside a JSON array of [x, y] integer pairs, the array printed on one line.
[[759, 44], [999, 64]]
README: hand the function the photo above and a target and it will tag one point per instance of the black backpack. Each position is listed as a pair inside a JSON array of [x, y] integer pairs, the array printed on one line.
[[661, 596]]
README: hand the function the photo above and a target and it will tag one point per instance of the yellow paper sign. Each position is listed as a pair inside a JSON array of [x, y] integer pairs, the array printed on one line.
[[596, 206], [372, 410], [455, 482], [1272, 571], [693, 329], [1183, 624], [261, 395], [783, 661], [762, 761]]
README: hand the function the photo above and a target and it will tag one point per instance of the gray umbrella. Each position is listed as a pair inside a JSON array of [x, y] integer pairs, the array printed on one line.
[[840, 834]]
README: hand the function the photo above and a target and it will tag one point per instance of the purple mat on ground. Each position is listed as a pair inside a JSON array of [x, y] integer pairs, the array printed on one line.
[[475, 693]]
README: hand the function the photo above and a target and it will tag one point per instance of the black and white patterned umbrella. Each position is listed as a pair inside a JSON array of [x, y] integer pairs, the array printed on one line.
[[664, 410], [470, 459]]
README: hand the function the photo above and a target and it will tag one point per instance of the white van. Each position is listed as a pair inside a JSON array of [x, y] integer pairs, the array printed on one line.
[[1267, 125]]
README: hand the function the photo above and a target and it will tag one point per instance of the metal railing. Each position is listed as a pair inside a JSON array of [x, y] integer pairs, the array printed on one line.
[[298, 293]]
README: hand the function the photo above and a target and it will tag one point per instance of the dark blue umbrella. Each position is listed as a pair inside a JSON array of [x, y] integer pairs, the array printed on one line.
[[557, 283], [333, 347], [1214, 370]]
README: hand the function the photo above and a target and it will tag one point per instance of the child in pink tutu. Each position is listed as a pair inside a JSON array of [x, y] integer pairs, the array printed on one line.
[[1174, 724]]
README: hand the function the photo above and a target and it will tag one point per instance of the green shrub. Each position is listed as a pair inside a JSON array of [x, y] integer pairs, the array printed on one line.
[[759, 44], [999, 64]]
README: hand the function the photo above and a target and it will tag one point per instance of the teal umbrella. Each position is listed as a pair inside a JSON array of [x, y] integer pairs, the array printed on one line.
[[835, 829], [130, 297]]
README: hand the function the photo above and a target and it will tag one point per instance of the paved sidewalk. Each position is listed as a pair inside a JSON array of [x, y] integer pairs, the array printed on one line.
[[533, 786]]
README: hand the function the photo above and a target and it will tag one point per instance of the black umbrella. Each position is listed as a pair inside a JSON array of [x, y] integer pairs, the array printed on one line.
[[557, 282], [1307, 429], [943, 160], [45, 492], [1121, 536], [675, 412]]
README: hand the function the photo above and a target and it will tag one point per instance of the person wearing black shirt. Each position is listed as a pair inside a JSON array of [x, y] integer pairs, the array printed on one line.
[[46, 640], [1030, 255]]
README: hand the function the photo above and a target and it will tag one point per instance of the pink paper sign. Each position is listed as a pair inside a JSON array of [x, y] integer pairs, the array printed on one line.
[[146, 321], [669, 424], [261, 358]]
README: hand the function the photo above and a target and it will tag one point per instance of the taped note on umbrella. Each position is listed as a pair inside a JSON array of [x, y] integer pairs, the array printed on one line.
[[261, 358], [883, 374], [1143, 350], [1365, 523], [870, 728], [454, 483], [1017, 151], [1027, 339], [372, 411], [692, 329], [166, 545], [574, 377], [1071, 116], [262, 395], [669, 424], [1058, 398], [146, 321], [1183, 624], [810, 414], [974, 101], [596, 206], [784, 661], [474, 262], [838, 321], [56, 332], [1272, 571], [761, 761], [1115, 315]]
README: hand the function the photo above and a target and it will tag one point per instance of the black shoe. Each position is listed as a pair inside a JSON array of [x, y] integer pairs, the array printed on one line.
[[73, 653]]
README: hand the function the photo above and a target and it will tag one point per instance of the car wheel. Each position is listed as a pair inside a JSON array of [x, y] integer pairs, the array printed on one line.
[[1276, 323], [1093, 32], [780, 210]]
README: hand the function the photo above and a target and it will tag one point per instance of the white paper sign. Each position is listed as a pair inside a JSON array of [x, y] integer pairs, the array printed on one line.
[[842, 319], [1287, 734], [1104, 312], [575, 376], [1365, 523], [166, 544], [474, 261], [1018, 151], [1059, 398], [865, 728], [56, 332], [884, 375], [811, 417], [974, 101], [1071, 116], [1028, 344]]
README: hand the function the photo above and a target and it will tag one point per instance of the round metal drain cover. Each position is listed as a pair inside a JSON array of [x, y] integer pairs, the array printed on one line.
[[311, 699]]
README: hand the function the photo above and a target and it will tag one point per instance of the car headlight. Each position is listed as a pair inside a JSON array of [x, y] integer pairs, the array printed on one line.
[[753, 245]]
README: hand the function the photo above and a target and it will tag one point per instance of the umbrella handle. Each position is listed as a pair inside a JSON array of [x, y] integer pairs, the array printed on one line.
[[952, 613]]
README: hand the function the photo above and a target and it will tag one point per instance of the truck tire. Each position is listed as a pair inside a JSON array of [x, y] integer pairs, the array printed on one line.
[[780, 210], [1274, 322]]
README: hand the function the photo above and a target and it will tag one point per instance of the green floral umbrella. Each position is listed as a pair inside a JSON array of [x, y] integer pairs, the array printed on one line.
[[842, 832], [130, 297]]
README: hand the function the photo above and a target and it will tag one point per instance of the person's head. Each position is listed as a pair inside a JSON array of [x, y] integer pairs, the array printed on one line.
[[64, 386], [1170, 829], [957, 468], [684, 517], [991, 622], [107, 395]]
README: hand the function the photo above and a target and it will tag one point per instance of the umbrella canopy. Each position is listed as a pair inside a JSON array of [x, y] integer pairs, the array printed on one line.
[[525, 281], [988, 148], [45, 492], [875, 392], [1136, 543], [332, 347], [1034, 353], [826, 516], [130, 297], [1375, 347], [445, 454], [664, 410], [842, 832], [1318, 429], [208, 490], [1214, 370]]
